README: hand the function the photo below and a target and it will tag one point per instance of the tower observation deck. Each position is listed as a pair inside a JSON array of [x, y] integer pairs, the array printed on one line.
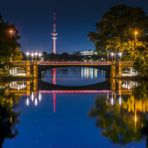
[[54, 35]]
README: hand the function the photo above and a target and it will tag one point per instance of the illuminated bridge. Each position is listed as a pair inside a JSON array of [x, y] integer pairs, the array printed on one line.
[[34, 68]]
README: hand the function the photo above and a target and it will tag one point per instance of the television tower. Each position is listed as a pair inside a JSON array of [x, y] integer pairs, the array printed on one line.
[[54, 35]]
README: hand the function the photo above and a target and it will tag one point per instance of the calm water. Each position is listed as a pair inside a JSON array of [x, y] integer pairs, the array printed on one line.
[[74, 76], [32, 117]]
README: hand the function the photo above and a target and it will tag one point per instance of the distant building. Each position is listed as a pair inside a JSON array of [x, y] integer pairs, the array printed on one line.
[[88, 52]]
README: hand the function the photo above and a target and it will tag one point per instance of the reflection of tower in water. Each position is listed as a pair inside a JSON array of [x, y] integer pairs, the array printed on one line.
[[54, 73]]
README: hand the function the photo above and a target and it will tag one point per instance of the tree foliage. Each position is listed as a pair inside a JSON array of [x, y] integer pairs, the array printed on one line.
[[9, 46], [115, 32]]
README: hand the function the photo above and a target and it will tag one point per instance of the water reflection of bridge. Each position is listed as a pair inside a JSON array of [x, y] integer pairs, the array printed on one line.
[[34, 89], [34, 94], [105, 86]]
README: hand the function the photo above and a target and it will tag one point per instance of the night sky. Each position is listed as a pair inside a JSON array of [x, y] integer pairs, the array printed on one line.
[[75, 18]]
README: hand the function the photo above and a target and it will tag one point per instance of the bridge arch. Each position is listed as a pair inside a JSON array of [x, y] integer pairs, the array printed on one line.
[[105, 68]]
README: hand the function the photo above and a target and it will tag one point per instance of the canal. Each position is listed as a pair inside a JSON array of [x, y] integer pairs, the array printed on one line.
[[72, 113]]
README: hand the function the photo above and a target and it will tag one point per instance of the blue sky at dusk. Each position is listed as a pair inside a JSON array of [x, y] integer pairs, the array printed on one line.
[[75, 18]]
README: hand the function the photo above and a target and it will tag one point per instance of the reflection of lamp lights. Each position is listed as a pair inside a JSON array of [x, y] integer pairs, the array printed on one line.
[[34, 99], [32, 96], [120, 100], [135, 118], [36, 102], [128, 87], [40, 97], [27, 102], [112, 100]]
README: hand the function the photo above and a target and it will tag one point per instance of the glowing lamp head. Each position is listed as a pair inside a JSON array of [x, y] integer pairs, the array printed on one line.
[[36, 53], [120, 54], [27, 53], [112, 54], [136, 32], [11, 32], [40, 54], [32, 54]]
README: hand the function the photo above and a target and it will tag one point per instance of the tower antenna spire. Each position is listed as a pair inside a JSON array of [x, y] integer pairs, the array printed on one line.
[[54, 34]]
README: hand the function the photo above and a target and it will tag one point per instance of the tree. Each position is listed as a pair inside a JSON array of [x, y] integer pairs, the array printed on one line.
[[9, 46], [115, 32], [118, 25]]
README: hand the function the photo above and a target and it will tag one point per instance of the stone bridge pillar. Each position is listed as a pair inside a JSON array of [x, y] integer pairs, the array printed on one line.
[[35, 85], [28, 87], [28, 68], [119, 87], [113, 84], [113, 70], [119, 69], [35, 70]]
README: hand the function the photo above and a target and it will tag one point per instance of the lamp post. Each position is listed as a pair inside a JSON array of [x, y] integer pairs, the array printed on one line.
[[27, 55], [40, 54], [11, 32], [112, 55], [32, 55], [135, 38], [36, 56], [135, 34], [120, 55]]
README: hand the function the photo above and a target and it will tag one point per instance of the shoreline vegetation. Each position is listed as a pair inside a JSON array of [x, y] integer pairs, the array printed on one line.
[[122, 33]]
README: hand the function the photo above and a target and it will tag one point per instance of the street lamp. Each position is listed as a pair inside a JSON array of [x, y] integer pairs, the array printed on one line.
[[11, 32], [135, 38], [27, 55], [120, 55], [40, 54], [36, 54], [32, 55], [112, 55], [135, 34]]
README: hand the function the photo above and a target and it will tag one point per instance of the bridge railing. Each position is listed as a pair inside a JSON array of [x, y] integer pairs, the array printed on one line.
[[73, 63], [126, 63]]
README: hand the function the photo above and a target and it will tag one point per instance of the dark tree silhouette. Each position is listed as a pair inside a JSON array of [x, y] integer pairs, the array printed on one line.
[[8, 117]]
